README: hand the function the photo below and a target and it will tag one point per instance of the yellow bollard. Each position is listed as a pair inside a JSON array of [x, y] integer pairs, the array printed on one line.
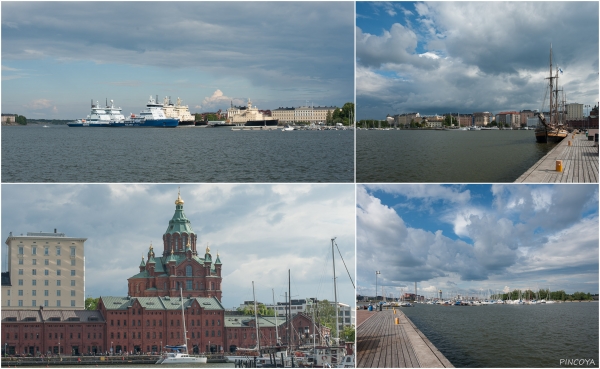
[[394, 311], [569, 142], [559, 167], [396, 321]]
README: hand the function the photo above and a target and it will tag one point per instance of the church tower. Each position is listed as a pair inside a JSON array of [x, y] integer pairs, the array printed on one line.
[[180, 266]]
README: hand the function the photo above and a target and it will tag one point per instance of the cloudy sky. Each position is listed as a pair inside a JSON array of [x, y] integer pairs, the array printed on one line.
[[57, 56], [466, 239], [439, 57], [259, 231]]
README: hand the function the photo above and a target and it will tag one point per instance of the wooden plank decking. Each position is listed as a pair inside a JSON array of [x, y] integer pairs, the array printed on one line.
[[383, 344], [580, 163]]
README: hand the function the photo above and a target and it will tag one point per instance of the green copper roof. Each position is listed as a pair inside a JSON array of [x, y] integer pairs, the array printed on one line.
[[160, 303], [218, 261], [179, 223], [142, 264]]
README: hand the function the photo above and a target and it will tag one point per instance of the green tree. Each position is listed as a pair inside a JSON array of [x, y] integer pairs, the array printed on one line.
[[328, 117], [91, 303], [324, 315], [262, 310], [348, 333], [20, 119], [347, 111]]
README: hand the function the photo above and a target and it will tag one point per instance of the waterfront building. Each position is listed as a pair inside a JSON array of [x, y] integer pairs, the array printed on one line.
[[311, 114], [9, 118], [574, 111], [525, 115], [346, 315], [481, 119], [44, 269], [510, 118], [404, 120], [180, 266], [43, 331]]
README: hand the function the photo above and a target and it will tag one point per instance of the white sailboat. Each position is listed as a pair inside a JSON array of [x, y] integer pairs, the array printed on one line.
[[178, 357]]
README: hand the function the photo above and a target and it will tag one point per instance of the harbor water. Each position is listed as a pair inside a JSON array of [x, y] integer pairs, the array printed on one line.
[[167, 155], [499, 336], [445, 156]]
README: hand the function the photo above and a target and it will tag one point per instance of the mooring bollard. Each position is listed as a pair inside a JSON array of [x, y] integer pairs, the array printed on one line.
[[559, 166], [396, 321], [394, 311], [569, 142]]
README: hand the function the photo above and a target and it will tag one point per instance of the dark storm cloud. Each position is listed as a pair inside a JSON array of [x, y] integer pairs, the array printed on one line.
[[270, 43]]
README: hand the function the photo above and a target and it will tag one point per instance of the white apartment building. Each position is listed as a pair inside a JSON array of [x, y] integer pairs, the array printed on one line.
[[44, 269], [574, 111]]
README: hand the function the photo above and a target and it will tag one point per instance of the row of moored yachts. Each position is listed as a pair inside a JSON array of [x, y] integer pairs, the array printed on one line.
[[155, 115]]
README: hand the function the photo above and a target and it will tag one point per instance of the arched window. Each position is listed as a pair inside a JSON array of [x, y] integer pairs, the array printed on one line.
[[188, 271]]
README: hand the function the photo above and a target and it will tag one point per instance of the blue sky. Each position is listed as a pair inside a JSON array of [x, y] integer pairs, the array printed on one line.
[[58, 56], [469, 238], [440, 57], [259, 231]]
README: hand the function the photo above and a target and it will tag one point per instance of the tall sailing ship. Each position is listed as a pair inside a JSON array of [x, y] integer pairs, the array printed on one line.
[[552, 130]]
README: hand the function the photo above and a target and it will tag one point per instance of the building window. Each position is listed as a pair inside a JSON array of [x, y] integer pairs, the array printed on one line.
[[45, 302], [72, 262], [58, 283], [188, 285], [188, 271], [72, 282], [7, 292], [34, 250], [20, 302], [58, 304], [46, 250], [33, 292], [72, 292], [57, 250], [34, 261], [72, 302], [72, 251], [20, 282], [58, 262], [46, 262], [46, 292], [20, 292], [8, 303], [34, 271], [20, 250], [46, 282], [72, 273], [20, 271], [46, 272], [57, 292], [20, 261]]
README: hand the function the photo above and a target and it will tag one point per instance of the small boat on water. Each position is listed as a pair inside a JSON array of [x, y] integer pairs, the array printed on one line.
[[152, 116]]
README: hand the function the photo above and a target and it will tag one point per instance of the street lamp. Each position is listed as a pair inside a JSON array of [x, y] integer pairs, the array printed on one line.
[[161, 346], [377, 272], [111, 348]]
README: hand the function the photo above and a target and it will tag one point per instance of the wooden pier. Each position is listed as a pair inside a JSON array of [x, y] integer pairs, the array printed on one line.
[[383, 344], [580, 163]]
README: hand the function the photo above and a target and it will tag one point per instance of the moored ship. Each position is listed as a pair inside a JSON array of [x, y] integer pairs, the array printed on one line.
[[249, 116], [153, 116], [179, 112], [100, 116], [552, 130]]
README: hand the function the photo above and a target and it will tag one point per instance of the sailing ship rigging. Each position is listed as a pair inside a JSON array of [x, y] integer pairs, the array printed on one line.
[[553, 129]]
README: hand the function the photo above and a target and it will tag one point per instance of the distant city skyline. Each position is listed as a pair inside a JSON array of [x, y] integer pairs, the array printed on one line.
[[470, 238], [56, 57], [439, 57]]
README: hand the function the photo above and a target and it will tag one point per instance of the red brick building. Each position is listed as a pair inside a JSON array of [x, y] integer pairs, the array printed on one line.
[[180, 267], [35, 332]]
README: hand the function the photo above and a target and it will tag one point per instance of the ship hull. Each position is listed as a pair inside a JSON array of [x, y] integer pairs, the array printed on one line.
[[148, 123], [552, 137], [262, 123], [88, 124]]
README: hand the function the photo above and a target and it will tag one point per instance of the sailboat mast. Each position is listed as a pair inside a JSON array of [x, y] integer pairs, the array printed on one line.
[[289, 318], [183, 318], [256, 319], [275, 310], [337, 323]]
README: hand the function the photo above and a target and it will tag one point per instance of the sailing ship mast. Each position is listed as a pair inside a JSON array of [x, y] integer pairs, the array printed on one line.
[[337, 323], [256, 320], [183, 318]]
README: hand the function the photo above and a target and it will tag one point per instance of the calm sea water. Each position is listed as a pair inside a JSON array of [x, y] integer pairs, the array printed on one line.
[[445, 156], [63, 154], [510, 335]]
